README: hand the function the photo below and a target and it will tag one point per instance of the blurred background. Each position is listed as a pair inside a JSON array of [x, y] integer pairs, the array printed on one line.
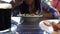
[[31, 12], [27, 14]]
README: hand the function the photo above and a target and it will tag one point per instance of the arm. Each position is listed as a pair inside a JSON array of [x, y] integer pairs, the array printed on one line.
[[16, 3]]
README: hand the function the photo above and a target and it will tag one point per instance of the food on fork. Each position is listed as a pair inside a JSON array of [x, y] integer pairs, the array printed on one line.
[[47, 23]]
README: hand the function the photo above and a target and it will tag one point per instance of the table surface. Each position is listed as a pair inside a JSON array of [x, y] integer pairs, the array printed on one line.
[[29, 28]]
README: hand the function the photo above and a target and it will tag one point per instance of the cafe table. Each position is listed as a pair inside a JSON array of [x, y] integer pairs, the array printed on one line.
[[30, 28]]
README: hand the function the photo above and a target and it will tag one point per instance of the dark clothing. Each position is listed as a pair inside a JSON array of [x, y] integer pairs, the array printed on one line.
[[24, 8], [37, 4]]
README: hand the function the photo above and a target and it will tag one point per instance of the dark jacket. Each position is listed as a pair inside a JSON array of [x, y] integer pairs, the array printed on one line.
[[24, 8]]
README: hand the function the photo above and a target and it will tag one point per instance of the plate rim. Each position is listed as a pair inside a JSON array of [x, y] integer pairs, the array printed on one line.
[[45, 20]]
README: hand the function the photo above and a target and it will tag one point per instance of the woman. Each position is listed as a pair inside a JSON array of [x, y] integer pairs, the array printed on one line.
[[34, 6], [26, 6], [16, 8]]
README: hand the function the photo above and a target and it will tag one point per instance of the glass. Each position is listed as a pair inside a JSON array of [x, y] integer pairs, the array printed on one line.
[[5, 16]]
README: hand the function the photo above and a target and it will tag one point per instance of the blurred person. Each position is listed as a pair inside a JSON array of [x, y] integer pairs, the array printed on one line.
[[26, 6], [56, 4], [34, 6], [16, 8]]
